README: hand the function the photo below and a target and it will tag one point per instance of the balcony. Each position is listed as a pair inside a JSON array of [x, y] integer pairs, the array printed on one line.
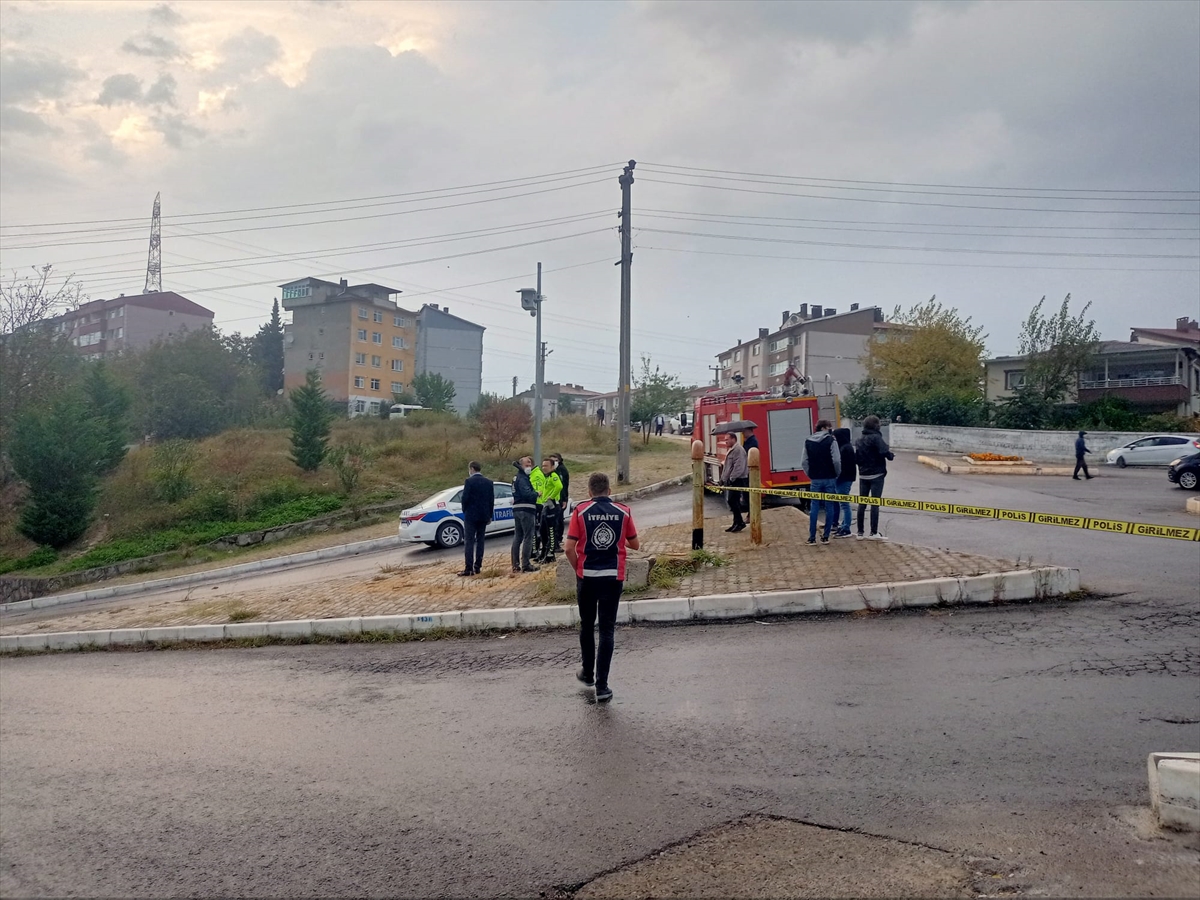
[[1162, 391], [1105, 384]]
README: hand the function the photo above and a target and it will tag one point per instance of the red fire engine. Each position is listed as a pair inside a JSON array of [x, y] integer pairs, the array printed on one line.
[[784, 423]]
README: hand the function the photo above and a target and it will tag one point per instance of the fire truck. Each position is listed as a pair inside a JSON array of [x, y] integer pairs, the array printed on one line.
[[784, 423]]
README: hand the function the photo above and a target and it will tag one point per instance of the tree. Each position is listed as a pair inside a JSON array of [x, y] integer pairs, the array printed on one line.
[[55, 450], [566, 405], [108, 403], [433, 391], [310, 423], [267, 352], [868, 399], [1056, 348], [349, 462], [36, 362], [931, 350], [654, 392], [503, 424], [483, 403]]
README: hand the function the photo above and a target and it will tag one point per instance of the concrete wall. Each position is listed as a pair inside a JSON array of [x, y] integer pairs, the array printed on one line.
[[455, 353], [1035, 445]]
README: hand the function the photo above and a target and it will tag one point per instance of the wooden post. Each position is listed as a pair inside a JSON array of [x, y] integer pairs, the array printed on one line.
[[752, 460], [697, 495]]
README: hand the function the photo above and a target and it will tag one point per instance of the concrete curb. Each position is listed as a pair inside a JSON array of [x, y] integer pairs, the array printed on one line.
[[1024, 584], [947, 469], [263, 565], [1175, 789], [1193, 505]]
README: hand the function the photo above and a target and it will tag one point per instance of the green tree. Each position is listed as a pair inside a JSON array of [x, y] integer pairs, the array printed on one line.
[[868, 399], [108, 403], [267, 352], [1056, 348], [931, 351], [56, 451], [310, 422], [654, 392], [433, 391], [484, 402], [36, 362], [566, 405]]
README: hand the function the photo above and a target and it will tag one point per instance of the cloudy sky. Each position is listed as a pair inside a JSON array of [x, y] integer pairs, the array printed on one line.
[[833, 153]]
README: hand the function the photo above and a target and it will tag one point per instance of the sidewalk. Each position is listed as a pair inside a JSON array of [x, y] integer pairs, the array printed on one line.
[[782, 562]]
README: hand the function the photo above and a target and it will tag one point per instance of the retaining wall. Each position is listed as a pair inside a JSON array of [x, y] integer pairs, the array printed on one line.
[[1042, 445]]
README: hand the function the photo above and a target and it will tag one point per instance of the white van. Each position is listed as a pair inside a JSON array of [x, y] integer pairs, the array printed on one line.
[[401, 410]]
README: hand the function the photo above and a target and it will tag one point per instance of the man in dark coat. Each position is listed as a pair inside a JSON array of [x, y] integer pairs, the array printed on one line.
[[1080, 462], [564, 505], [478, 505]]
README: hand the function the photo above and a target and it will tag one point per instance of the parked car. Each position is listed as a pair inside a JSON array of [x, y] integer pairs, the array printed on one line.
[[1155, 450], [1185, 471], [438, 521]]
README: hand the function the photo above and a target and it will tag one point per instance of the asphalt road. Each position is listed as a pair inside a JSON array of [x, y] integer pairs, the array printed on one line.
[[472, 767]]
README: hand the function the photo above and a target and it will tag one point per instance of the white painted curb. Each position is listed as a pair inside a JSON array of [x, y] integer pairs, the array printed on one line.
[[1193, 505], [1026, 584], [1175, 789]]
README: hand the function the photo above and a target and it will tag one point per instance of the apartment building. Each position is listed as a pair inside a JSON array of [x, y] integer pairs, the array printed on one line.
[[453, 348], [357, 336], [105, 327], [827, 346], [1156, 370], [555, 395]]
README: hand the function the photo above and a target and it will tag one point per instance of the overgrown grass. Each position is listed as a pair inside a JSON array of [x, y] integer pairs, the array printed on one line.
[[669, 571]]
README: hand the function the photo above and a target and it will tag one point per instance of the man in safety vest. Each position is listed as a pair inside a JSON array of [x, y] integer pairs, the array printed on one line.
[[549, 487]]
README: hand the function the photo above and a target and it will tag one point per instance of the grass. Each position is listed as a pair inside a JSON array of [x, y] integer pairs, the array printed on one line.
[[244, 480], [668, 571], [244, 615]]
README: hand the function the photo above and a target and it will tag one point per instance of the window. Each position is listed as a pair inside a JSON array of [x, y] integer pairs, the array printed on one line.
[[780, 344], [737, 355], [321, 356], [398, 343], [502, 491], [310, 357], [397, 387], [754, 371], [374, 384], [757, 349], [400, 321], [362, 312], [360, 359], [360, 406], [376, 362], [359, 381], [397, 365], [777, 368], [376, 337], [378, 316], [362, 334], [320, 331], [374, 407], [296, 291], [1013, 379], [118, 312]]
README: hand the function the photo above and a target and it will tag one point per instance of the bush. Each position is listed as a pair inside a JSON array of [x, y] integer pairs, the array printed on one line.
[[502, 425], [1171, 422], [278, 493], [947, 409], [210, 506], [1109, 413], [42, 556], [171, 470]]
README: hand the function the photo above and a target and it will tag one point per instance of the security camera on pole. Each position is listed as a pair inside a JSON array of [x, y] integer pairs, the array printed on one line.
[[531, 300]]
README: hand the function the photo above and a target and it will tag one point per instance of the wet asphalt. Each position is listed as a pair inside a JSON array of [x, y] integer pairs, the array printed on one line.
[[478, 767]]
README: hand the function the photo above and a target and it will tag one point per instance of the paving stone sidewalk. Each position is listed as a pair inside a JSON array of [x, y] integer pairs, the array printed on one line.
[[782, 562]]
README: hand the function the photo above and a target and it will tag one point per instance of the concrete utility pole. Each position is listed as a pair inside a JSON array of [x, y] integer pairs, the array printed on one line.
[[514, 386], [537, 384], [623, 388]]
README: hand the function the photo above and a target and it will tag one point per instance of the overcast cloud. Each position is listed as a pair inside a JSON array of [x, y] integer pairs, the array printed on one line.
[[229, 106]]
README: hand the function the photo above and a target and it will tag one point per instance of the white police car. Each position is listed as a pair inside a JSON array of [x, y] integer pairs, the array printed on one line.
[[438, 521]]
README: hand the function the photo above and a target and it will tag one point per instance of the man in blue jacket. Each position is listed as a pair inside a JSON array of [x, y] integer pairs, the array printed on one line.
[[525, 498], [478, 505], [822, 462], [1080, 462]]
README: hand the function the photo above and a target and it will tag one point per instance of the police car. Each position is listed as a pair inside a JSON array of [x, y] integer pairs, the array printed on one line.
[[438, 521]]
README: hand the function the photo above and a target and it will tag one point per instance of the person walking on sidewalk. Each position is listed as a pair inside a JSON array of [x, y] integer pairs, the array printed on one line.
[[845, 480], [736, 473], [1080, 462], [478, 505], [871, 453], [600, 533], [822, 462], [524, 516]]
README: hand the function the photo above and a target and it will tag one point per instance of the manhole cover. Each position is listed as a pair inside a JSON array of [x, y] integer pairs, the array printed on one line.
[[766, 857]]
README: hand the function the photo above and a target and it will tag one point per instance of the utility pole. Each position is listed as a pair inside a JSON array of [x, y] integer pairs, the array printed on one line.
[[623, 388], [716, 370], [541, 371], [514, 386]]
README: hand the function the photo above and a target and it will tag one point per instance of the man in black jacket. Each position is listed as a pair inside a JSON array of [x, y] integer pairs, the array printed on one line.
[[871, 454], [822, 463], [525, 499], [478, 505], [564, 504], [845, 480], [1080, 462]]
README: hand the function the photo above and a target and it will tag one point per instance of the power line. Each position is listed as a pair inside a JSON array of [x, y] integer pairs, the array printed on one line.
[[484, 184], [888, 262], [1090, 212], [978, 187], [765, 240]]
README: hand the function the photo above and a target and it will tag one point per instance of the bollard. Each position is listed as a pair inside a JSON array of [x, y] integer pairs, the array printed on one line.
[[697, 495], [752, 461]]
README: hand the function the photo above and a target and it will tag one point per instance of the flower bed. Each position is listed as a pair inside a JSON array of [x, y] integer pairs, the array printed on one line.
[[994, 457]]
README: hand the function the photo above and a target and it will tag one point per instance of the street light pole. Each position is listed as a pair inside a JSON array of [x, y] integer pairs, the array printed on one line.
[[539, 374], [623, 388]]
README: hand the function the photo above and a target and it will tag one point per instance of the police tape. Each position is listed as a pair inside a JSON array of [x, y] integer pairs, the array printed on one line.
[[1086, 523]]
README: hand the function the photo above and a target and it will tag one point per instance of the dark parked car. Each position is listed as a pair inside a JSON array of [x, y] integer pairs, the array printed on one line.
[[1185, 471]]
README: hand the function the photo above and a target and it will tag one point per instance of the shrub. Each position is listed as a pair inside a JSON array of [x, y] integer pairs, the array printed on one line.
[[42, 556], [502, 425], [211, 506], [171, 470]]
